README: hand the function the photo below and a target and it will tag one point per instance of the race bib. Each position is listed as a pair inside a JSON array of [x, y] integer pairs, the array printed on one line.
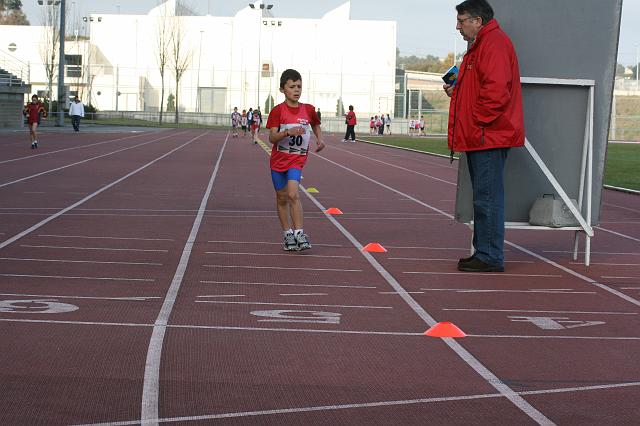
[[299, 144]]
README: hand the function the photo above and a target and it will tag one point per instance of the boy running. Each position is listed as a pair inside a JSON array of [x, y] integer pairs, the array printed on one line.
[[235, 121], [243, 121], [290, 124], [33, 111]]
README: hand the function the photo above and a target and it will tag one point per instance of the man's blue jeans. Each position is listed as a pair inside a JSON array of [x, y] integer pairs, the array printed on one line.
[[486, 168]]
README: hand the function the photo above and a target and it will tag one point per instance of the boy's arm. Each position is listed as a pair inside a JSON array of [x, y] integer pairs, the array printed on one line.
[[275, 136], [317, 130]]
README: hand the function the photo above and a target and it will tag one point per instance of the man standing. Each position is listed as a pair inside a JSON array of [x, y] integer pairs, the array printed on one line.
[[76, 111], [485, 120]]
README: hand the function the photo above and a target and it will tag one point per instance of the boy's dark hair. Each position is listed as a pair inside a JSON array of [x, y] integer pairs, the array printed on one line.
[[289, 74], [350, 107], [34, 96], [476, 8]]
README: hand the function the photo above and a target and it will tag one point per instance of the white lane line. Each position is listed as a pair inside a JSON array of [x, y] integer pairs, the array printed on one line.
[[269, 242], [105, 238], [498, 336], [628, 237], [90, 196], [319, 408], [281, 268], [465, 355], [593, 252], [224, 295], [485, 274], [609, 277], [133, 298], [304, 294], [68, 149], [451, 260], [622, 207], [289, 284], [151, 384], [539, 311], [476, 290], [80, 261], [294, 304], [465, 249], [275, 254], [395, 292], [61, 277], [94, 248], [84, 161], [605, 264], [630, 288]]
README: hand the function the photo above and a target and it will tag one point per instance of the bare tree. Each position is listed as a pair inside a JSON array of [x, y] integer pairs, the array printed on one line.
[[181, 55], [163, 42], [50, 46]]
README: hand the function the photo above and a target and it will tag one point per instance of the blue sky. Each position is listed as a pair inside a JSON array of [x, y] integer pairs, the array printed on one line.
[[424, 26]]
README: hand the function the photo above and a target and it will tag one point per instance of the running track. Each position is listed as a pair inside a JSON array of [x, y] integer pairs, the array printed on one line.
[[143, 281]]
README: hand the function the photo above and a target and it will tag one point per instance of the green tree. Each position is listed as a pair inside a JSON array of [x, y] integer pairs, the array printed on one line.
[[171, 103], [11, 13]]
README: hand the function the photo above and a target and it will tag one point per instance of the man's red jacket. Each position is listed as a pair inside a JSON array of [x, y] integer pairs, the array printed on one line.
[[486, 103]]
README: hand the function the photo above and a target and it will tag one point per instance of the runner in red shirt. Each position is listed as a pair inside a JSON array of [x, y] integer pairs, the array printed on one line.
[[290, 125], [34, 111]]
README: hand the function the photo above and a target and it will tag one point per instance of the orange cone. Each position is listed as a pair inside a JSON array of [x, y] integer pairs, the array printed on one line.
[[444, 329], [374, 248], [333, 210]]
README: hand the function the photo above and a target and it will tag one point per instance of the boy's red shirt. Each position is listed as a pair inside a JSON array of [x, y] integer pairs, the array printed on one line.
[[284, 116]]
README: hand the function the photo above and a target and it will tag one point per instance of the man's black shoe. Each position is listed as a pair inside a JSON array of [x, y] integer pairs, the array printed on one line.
[[466, 259], [477, 265]]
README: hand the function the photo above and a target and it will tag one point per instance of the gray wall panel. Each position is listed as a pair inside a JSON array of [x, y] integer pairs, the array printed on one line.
[[571, 39]]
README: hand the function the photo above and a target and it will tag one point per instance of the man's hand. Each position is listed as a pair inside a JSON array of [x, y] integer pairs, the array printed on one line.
[[320, 146], [448, 89]]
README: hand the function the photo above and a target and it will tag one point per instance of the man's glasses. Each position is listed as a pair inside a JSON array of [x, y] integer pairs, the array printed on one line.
[[461, 21]]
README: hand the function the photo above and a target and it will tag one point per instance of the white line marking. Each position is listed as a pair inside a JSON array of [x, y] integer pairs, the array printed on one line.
[[367, 405], [134, 298], [577, 275], [465, 355], [539, 311], [395, 292], [80, 261], [549, 291], [105, 238], [289, 284], [281, 268], [270, 242], [593, 252], [304, 294], [76, 278], [294, 304], [465, 249], [450, 260], [484, 274], [90, 196], [630, 288], [94, 248], [621, 207], [498, 336], [619, 278], [224, 295], [83, 161], [605, 264], [275, 254], [151, 384], [628, 237], [68, 149]]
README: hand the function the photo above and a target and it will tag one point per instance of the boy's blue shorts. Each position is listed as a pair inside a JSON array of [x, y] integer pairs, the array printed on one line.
[[280, 179]]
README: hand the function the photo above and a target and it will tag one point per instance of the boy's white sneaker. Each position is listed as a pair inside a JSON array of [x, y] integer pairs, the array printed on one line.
[[303, 242], [290, 243]]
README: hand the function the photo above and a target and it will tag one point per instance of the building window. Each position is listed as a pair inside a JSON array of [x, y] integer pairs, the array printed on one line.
[[73, 64]]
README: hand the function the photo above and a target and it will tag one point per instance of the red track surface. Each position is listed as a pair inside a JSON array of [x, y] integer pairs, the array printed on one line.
[[111, 313]]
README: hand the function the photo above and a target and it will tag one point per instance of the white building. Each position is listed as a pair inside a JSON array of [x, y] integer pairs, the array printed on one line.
[[338, 58]]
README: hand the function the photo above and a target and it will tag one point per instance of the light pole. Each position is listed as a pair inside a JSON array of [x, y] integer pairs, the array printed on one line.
[[637, 62], [198, 79], [61, 100], [262, 8]]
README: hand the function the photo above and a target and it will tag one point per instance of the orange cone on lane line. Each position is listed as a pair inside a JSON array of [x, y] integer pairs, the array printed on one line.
[[374, 248], [444, 329], [333, 210]]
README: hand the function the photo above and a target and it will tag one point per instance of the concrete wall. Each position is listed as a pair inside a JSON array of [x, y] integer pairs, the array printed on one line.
[[11, 104]]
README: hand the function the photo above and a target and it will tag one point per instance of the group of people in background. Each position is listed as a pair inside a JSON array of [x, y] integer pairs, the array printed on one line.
[[250, 121], [417, 126], [378, 123]]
